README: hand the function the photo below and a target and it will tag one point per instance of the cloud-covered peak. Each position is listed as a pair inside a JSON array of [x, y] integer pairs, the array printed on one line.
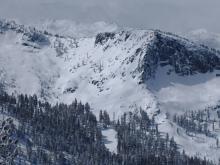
[[205, 37], [74, 29]]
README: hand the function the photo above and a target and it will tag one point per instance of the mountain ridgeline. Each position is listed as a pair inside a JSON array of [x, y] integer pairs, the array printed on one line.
[[158, 48], [184, 57]]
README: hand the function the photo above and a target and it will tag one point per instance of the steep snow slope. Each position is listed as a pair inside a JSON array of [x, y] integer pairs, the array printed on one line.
[[116, 71], [61, 69]]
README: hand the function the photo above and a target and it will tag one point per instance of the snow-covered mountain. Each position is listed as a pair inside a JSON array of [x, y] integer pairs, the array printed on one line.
[[115, 71]]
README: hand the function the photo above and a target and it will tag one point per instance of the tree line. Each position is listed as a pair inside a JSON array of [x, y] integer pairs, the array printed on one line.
[[71, 135]]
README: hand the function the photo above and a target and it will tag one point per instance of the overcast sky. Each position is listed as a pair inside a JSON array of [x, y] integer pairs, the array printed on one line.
[[169, 15]]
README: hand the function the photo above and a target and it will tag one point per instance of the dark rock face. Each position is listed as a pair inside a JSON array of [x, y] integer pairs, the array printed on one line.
[[186, 60], [37, 37], [184, 57], [104, 37]]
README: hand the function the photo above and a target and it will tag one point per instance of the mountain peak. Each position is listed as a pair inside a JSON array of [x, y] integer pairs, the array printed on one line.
[[113, 71]]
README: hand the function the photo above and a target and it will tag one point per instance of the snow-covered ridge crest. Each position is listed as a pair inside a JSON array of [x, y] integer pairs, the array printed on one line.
[[113, 66], [184, 56]]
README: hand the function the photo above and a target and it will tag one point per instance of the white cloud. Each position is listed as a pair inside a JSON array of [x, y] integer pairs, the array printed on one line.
[[170, 15]]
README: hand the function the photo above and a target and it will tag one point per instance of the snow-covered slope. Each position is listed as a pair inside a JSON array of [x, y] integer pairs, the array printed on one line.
[[61, 69], [114, 71]]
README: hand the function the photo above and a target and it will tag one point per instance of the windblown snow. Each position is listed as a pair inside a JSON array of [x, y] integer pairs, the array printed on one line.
[[204, 37], [73, 29]]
